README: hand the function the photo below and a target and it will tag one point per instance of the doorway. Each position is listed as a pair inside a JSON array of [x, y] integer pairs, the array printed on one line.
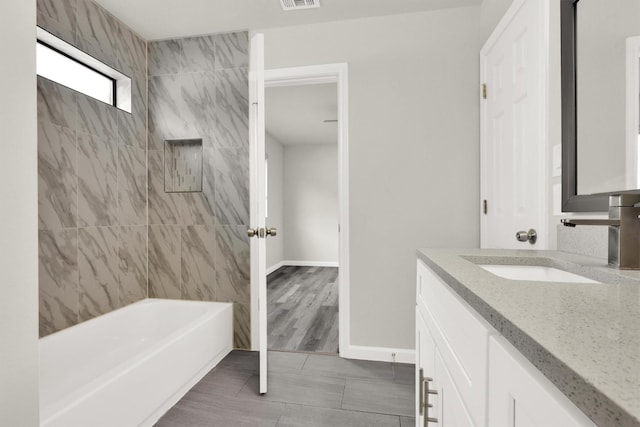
[[335, 74], [302, 203]]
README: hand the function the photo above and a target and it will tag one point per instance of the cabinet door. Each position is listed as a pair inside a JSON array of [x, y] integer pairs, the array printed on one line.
[[448, 408], [425, 361], [462, 337], [521, 396]]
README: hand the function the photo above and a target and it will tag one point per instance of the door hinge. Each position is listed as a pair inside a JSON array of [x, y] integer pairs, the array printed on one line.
[[484, 206], [484, 91]]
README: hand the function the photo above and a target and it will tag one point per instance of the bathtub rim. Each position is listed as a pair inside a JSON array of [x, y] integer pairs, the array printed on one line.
[[145, 301]]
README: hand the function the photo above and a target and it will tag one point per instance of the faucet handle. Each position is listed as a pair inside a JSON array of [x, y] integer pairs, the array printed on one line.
[[625, 200]]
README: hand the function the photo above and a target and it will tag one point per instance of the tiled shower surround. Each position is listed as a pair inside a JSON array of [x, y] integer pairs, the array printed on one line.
[[92, 198], [198, 247], [101, 177]]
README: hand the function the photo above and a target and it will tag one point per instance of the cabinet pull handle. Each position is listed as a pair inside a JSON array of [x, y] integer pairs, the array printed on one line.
[[421, 387], [427, 405]]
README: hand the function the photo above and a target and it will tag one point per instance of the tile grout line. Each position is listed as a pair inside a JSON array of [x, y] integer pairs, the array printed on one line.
[[306, 359], [77, 212], [355, 411], [284, 409], [344, 390], [244, 384], [146, 152]]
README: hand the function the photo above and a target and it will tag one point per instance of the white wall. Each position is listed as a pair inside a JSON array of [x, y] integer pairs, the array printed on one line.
[[18, 216], [275, 184], [311, 203], [491, 11], [414, 149]]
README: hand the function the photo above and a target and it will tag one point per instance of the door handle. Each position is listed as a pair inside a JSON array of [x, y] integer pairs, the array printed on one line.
[[261, 232], [531, 236]]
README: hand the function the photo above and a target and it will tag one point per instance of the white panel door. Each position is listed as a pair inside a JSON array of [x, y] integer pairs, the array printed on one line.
[[258, 200], [513, 127]]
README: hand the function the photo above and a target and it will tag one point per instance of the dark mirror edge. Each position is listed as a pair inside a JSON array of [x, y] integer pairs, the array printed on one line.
[[571, 200]]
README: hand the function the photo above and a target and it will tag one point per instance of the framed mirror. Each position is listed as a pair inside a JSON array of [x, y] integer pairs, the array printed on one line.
[[600, 57]]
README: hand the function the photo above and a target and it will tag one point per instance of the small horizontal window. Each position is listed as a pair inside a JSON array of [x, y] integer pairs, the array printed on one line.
[[67, 65], [63, 70]]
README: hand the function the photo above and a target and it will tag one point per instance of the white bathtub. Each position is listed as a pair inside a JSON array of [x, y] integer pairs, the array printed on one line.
[[128, 367]]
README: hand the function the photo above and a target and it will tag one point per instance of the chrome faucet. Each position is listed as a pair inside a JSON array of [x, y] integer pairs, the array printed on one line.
[[624, 230]]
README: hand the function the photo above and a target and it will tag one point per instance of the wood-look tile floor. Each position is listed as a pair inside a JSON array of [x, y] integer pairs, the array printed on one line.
[[304, 390], [302, 305]]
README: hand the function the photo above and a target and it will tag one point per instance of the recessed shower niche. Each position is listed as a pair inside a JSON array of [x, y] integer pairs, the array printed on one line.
[[183, 165]]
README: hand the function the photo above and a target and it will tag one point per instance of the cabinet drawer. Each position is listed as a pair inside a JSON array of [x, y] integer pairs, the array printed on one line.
[[462, 337]]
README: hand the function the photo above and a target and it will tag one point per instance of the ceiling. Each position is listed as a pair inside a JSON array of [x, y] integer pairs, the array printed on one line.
[[294, 115], [163, 19]]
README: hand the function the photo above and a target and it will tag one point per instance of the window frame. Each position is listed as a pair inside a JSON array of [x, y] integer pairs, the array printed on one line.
[[121, 84], [114, 91]]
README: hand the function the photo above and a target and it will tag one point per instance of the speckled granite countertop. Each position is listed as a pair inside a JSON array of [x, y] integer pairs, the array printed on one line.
[[584, 337]]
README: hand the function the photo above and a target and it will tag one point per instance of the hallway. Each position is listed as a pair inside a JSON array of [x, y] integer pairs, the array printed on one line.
[[303, 309]]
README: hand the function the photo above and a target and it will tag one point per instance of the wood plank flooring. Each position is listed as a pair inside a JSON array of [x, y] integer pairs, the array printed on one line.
[[302, 307], [305, 390]]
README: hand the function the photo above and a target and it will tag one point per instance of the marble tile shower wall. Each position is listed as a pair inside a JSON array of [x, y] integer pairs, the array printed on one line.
[[92, 173], [198, 248]]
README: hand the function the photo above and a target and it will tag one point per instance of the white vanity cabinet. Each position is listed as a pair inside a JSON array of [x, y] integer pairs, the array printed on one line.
[[477, 378]]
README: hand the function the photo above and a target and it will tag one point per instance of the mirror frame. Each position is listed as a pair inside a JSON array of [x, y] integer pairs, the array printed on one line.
[[571, 200]]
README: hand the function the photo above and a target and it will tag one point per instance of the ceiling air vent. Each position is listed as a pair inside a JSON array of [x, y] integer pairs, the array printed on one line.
[[299, 4]]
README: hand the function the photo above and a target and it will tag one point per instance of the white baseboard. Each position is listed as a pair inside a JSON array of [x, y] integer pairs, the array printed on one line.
[[302, 264], [274, 267], [312, 263], [380, 354]]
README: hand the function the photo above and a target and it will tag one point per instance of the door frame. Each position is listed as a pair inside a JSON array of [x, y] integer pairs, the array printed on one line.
[[319, 74], [633, 110]]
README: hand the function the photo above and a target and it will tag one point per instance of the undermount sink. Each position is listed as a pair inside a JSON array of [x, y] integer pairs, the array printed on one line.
[[535, 273]]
